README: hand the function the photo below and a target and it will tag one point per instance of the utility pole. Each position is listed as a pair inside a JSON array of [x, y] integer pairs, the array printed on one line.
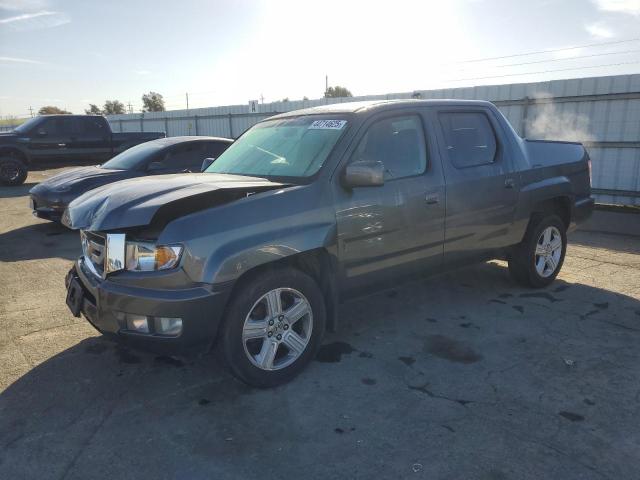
[[326, 88], [261, 98], [31, 110], [130, 107], [187, 95]]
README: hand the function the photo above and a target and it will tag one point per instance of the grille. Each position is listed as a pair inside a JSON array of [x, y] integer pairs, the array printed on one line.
[[93, 248]]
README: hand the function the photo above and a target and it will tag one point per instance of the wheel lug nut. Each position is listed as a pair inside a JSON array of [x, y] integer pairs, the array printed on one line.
[[270, 322], [286, 327], [281, 317], [279, 337], [269, 334]]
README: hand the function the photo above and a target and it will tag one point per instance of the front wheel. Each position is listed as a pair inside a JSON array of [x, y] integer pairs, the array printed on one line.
[[537, 261], [273, 327], [12, 171]]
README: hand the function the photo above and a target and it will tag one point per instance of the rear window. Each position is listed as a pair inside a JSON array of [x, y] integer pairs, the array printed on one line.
[[469, 138]]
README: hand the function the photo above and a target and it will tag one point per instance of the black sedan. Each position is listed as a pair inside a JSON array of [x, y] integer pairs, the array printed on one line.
[[50, 198]]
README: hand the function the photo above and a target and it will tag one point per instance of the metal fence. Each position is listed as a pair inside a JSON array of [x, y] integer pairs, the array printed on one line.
[[601, 112]]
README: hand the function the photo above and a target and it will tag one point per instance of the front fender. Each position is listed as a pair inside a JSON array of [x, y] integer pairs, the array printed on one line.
[[225, 242], [234, 259], [16, 150]]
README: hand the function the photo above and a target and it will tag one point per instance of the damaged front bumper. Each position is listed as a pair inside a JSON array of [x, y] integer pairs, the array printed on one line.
[[106, 304], [46, 209]]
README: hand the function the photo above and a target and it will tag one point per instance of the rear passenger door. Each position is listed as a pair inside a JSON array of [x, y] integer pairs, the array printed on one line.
[[91, 139], [395, 229], [482, 187]]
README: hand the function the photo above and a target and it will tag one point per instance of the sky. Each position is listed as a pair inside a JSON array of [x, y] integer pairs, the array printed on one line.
[[70, 53]]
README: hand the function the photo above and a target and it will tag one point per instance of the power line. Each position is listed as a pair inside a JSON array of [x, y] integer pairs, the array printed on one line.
[[538, 52], [567, 58], [543, 71]]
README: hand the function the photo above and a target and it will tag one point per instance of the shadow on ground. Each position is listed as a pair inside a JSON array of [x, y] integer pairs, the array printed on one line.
[[17, 191], [459, 376], [38, 241]]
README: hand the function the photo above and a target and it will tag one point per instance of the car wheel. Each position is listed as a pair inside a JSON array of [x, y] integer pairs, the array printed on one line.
[[273, 327], [537, 261], [12, 171]]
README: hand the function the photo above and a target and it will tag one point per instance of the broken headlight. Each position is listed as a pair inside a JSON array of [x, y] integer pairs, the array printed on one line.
[[147, 257]]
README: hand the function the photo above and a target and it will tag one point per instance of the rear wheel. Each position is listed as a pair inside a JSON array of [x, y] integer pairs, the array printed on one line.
[[273, 327], [537, 261], [13, 171]]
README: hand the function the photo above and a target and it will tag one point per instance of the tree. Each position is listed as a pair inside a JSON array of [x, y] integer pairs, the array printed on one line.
[[305, 98], [51, 110], [113, 107], [285, 99], [153, 102], [93, 110], [336, 92]]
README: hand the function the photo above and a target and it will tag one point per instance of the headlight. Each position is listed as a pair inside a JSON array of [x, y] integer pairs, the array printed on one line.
[[139, 256], [146, 257]]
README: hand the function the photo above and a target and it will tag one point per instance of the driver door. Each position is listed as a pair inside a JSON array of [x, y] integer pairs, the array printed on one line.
[[392, 230], [184, 158], [51, 139]]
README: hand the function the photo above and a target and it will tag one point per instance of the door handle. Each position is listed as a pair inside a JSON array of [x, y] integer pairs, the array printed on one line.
[[62, 144], [432, 198], [509, 183]]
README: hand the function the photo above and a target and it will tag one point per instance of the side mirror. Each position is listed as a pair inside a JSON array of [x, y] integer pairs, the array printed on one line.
[[153, 166], [364, 174], [41, 132], [206, 163]]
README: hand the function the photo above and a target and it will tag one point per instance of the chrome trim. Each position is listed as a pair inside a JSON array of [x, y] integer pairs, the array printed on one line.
[[114, 253]]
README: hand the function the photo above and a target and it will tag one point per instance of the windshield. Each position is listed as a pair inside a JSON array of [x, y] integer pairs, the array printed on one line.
[[28, 125], [289, 147], [135, 157]]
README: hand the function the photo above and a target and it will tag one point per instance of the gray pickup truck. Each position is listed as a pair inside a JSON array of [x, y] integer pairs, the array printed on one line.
[[310, 207]]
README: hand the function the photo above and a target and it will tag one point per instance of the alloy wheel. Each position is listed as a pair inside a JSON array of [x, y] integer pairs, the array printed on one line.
[[277, 329]]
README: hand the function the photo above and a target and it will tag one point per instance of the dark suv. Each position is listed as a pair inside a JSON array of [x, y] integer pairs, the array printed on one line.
[[310, 207]]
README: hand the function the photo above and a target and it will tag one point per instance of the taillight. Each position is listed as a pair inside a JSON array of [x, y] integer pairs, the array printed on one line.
[[590, 174]]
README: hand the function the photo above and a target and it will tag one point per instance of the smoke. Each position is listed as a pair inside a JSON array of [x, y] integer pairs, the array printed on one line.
[[549, 123]]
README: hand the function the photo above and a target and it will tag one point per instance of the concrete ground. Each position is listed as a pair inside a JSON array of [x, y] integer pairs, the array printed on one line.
[[462, 376]]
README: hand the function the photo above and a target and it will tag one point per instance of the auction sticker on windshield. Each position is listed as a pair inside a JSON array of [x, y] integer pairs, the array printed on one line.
[[328, 124]]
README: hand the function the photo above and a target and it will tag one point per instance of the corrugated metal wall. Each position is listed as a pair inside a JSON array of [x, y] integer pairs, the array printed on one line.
[[601, 112]]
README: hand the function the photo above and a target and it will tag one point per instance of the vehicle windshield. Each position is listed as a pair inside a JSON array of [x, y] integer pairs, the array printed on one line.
[[135, 157], [28, 125], [290, 148]]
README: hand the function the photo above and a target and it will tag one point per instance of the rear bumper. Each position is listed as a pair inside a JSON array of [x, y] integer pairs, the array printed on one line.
[[199, 308], [582, 210]]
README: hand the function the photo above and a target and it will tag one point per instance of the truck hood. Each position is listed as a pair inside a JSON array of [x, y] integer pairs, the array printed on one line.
[[8, 137], [157, 200]]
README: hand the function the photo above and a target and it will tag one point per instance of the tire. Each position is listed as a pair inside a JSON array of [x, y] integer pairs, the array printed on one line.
[[533, 269], [256, 339], [13, 171]]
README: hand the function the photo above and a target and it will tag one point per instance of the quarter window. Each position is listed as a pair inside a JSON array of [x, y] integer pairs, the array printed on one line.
[[398, 143], [469, 138]]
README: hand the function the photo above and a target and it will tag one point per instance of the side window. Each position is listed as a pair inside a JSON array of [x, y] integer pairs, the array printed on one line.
[[57, 126], [398, 143], [214, 149], [469, 137], [91, 126], [189, 156]]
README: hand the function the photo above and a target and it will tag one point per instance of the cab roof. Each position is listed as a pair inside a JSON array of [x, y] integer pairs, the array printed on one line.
[[376, 105]]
